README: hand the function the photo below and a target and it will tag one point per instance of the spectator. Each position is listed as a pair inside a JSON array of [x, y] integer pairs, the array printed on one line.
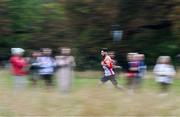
[[141, 70], [65, 63], [132, 71], [19, 68], [34, 66], [46, 66], [164, 73]]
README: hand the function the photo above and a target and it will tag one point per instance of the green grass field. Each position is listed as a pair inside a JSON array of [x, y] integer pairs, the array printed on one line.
[[88, 99]]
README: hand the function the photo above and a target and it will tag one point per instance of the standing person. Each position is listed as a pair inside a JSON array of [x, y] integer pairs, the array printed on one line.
[[65, 64], [164, 73], [132, 71], [107, 65], [141, 70], [19, 68], [34, 66], [46, 66]]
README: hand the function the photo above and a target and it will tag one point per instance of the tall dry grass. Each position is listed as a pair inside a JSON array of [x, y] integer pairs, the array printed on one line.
[[85, 101]]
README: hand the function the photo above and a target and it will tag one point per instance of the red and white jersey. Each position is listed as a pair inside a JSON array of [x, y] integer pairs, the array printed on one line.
[[107, 65]]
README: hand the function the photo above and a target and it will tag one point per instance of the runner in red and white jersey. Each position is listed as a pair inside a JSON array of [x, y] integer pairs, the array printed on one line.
[[107, 65]]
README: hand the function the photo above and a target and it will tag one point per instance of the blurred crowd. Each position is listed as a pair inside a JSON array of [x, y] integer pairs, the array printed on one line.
[[136, 70], [163, 71], [42, 66]]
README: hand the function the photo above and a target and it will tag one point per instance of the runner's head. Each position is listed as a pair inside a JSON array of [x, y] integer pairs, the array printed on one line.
[[104, 52]]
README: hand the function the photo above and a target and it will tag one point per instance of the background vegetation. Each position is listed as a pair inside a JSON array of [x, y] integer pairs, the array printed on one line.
[[151, 27]]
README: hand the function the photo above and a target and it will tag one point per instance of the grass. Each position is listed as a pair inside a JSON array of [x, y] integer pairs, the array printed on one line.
[[88, 99]]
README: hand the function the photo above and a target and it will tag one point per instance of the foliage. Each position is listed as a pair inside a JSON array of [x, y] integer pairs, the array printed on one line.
[[150, 26]]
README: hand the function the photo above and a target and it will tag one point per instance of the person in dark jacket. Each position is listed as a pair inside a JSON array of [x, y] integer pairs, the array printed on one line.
[[34, 66]]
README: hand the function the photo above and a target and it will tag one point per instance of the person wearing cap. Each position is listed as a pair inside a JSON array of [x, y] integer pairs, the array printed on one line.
[[65, 64], [19, 68], [164, 72]]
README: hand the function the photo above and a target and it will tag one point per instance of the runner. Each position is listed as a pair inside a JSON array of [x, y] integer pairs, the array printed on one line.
[[107, 65]]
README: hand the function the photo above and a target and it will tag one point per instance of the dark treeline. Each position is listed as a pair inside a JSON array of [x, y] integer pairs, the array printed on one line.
[[151, 27]]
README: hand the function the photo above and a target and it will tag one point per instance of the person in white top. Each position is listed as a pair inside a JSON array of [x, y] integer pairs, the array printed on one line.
[[164, 72], [65, 64], [46, 66]]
